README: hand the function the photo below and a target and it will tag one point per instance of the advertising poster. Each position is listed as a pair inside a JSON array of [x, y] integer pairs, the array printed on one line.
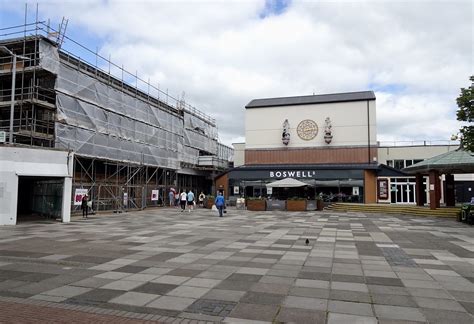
[[125, 199], [154, 194], [78, 194], [382, 186], [236, 190]]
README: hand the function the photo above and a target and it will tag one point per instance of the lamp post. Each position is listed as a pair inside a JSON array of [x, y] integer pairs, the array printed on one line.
[[4, 49]]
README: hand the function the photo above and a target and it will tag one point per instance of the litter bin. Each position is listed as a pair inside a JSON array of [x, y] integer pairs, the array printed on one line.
[[467, 215]]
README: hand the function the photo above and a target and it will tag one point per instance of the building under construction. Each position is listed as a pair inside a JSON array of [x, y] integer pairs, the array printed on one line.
[[106, 130]]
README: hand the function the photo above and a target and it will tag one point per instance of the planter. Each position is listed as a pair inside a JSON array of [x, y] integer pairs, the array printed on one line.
[[319, 204], [296, 205], [208, 202], [256, 204]]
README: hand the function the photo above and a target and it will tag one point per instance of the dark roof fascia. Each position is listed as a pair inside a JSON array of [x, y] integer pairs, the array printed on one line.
[[387, 171], [349, 166], [337, 97]]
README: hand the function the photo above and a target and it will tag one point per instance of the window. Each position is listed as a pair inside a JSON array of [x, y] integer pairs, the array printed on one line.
[[390, 163], [399, 164], [408, 163], [417, 161]]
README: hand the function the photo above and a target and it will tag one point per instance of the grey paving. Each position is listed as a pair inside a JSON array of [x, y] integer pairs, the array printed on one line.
[[248, 267]]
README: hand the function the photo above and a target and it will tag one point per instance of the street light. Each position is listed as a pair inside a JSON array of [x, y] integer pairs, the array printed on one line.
[[4, 49]]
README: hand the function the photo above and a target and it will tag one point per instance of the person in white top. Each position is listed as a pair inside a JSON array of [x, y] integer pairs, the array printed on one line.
[[183, 197]]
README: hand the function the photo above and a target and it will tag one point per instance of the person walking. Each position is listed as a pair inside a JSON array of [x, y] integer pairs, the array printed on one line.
[[176, 199], [183, 198], [171, 197], [84, 206], [190, 200], [220, 203], [201, 199]]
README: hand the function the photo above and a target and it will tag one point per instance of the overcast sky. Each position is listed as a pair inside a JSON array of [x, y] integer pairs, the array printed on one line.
[[415, 55]]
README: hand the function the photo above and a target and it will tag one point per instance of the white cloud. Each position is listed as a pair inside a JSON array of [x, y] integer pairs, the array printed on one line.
[[415, 54]]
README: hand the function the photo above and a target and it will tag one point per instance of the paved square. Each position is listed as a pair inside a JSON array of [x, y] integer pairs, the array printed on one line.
[[248, 267]]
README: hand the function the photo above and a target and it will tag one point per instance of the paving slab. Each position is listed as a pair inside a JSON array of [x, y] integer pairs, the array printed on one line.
[[254, 312], [343, 307], [336, 318], [134, 298], [399, 313]]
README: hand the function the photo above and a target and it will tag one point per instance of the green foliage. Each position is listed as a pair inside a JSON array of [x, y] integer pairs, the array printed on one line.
[[465, 113]]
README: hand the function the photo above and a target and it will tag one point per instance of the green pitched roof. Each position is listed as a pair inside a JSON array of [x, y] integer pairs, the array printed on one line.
[[458, 161]]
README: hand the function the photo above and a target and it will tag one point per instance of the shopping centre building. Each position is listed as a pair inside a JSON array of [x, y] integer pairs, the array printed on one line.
[[330, 143]]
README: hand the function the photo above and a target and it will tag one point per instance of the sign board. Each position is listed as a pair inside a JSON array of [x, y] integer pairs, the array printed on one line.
[[3, 137], [382, 186], [269, 191], [125, 199], [78, 194], [154, 194], [355, 191], [298, 174], [236, 190]]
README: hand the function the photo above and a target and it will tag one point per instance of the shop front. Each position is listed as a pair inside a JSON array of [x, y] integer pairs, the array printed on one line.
[[330, 183]]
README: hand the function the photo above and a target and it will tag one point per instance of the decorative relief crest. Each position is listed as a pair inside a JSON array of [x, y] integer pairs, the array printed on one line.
[[327, 130], [285, 136], [307, 129]]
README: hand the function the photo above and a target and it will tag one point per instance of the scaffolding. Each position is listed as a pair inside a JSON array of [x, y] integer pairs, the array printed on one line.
[[128, 136]]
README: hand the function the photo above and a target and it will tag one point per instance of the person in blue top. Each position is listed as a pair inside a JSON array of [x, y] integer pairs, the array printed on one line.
[[190, 200], [220, 203]]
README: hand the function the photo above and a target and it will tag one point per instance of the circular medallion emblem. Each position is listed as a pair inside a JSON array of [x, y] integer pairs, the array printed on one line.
[[307, 129]]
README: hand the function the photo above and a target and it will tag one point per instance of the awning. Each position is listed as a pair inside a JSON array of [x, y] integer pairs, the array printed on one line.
[[454, 162], [287, 183], [336, 183]]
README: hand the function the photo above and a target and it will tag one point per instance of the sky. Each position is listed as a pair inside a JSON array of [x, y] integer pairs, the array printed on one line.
[[219, 55]]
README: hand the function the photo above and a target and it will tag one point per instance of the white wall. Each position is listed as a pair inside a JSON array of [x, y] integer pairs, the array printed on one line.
[[412, 152], [239, 154], [19, 161], [264, 126]]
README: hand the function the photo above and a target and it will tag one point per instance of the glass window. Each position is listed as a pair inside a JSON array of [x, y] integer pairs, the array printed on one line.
[[399, 164], [408, 163], [390, 163], [416, 161]]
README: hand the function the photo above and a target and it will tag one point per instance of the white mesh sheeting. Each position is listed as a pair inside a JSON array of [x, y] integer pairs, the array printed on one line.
[[48, 57], [104, 122]]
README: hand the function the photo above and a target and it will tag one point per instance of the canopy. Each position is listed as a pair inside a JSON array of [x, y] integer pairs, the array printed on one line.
[[287, 183], [453, 162]]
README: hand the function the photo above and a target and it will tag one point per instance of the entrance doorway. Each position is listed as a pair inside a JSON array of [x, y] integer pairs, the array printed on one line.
[[402, 191], [39, 198]]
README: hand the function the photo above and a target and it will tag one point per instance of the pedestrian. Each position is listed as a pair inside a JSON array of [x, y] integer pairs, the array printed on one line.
[[176, 199], [171, 197], [84, 206], [220, 203], [183, 198], [201, 199], [190, 200]]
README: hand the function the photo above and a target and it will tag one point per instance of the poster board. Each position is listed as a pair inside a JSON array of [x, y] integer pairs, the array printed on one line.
[[78, 194], [125, 199], [155, 193], [355, 191], [382, 189]]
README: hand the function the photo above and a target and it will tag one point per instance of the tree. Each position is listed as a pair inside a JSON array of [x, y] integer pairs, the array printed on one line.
[[465, 113]]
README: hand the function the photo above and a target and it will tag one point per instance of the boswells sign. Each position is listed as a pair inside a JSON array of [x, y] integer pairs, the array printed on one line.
[[292, 174]]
